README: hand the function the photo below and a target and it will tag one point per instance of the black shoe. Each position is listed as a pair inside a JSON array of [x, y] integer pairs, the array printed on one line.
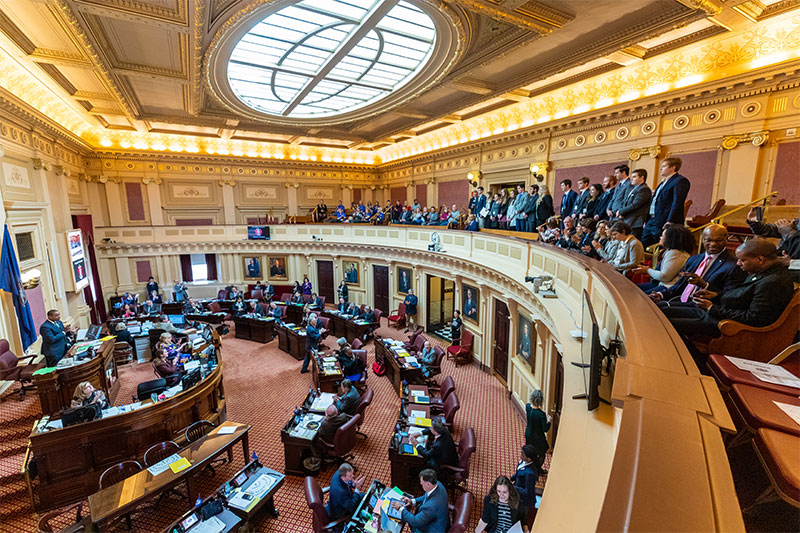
[[405, 330], [305, 371]]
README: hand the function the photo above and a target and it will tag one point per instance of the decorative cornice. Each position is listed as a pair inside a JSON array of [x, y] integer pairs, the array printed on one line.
[[757, 138], [147, 180], [230, 182], [102, 178], [61, 171], [711, 8], [40, 164], [636, 154]]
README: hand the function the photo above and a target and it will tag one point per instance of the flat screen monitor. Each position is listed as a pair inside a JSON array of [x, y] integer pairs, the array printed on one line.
[[87, 413], [93, 333], [258, 233], [591, 351], [177, 320]]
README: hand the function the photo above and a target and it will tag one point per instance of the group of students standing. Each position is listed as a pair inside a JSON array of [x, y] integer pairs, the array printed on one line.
[[516, 209]]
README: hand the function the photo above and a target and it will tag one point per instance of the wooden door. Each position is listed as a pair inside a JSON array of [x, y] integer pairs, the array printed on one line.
[[380, 287], [500, 341], [558, 395], [325, 280]]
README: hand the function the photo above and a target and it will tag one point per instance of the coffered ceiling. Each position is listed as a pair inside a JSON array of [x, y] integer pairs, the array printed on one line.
[[148, 65]]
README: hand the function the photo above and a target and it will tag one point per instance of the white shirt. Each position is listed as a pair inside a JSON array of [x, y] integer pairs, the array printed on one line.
[[621, 249], [658, 191]]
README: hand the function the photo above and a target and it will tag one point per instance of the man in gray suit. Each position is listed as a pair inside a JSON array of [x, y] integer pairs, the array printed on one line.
[[637, 203], [620, 191], [432, 514], [520, 204]]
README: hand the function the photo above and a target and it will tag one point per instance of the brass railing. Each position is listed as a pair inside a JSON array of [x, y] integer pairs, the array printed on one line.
[[718, 219]]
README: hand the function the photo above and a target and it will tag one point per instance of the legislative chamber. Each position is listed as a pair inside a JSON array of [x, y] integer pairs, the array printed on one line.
[[399, 265]]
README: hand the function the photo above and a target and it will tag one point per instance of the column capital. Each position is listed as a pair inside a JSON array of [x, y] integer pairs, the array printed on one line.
[[636, 154], [61, 171], [147, 180], [39, 164], [757, 138], [226, 181]]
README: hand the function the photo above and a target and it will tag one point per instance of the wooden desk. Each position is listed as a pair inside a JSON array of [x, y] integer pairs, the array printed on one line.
[[125, 496], [296, 448], [208, 318], [364, 515], [325, 382], [254, 329], [69, 461], [55, 389], [355, 330], [405, 468], [266, 504], [293, 314], [292, 341], [337, 325], [395, 371]]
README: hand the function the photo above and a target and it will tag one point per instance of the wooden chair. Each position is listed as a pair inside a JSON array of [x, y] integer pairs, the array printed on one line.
[[123, 353], [315, 497], [462, 353], [197, 431], [397, 318], [117, 473], [702, 220], [686, 205], [756, 343], [44, 525], [159, 452]]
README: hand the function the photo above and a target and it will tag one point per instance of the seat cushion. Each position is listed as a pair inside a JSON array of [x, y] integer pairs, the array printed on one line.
[[757, 408], [455, 350], [726, 374], [778, 452]]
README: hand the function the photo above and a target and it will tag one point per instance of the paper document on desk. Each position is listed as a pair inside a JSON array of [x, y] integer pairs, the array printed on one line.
[[411, 360], [181, 464], [212, 525], [792, 410], [163, 465], [322, 402], [749, 366], [420, 421], [226, 430], [417, 393], [789, 380]]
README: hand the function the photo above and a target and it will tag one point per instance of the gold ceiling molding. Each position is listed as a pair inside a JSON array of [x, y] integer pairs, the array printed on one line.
[[757, 138], [529, 16], [711, 7], [636, 154], [147, 180]]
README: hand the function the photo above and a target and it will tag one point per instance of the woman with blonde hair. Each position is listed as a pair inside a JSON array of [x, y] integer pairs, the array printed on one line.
[[171, 371], [85, 394]]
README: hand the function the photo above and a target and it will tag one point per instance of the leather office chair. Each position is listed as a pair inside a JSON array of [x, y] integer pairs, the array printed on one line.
[[361, 383], [44, 525], [11, 368], [344, 440], [154, 335], [117, 473], [444, 390], [357, 344], [376, 323], [286, 297], [419, 343], [363, 403], [315, 495], [322, 321], [197, 431], [144, 390], [397, 318], [257, 294], [460, 513], [214, 307], [456, 476], [462, 353], [123, 353], [448, 408], [222, 294], [412, 338]]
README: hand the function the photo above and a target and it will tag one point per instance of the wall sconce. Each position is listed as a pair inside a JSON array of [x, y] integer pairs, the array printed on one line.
[[537, 171], [31, 279], [474, 177]]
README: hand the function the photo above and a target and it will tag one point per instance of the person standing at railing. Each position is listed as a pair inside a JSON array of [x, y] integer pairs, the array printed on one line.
[[544, 206], [668, 201], [520, 203], [621, 172], [480, 206], [784, 229], [609, 188], [511, 211], [502, 209], [636, 203]]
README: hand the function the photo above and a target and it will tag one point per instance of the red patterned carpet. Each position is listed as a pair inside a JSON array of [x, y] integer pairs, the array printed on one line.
[[263, 385]]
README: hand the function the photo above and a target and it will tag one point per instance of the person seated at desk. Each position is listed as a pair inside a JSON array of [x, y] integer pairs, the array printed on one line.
[[238, 308], [191, 307], [254, 308], [169, 368], [347, 399], [369, 316], [128, 299], [168, 344], [427, 357], [316, 301], [344, 496], [432, 513], [123, 335], [352, 311], [525, 478], [297, 298], [442, 451], [275, 312], [85, 394], [166, 325], [150, 308], [501, 508], [156, 298], [127, 312], [234, 293], [259, 286], [342, 306], [758, 301], [352, 367], [327, 429]]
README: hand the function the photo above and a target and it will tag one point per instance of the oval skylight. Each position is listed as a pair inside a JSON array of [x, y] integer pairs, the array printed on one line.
[[321, 58]]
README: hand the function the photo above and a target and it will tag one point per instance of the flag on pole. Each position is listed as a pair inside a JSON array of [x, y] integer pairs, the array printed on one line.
[[11, 282]]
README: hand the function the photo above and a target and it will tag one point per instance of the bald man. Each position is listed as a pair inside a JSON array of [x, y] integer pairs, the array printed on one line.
[[758, 301], [715, 269], [333, 420]]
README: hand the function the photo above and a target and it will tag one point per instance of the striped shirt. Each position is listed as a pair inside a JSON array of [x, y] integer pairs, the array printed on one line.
[[503, 518]]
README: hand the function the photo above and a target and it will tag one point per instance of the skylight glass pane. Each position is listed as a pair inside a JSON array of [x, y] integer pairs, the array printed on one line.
[[277, 67]]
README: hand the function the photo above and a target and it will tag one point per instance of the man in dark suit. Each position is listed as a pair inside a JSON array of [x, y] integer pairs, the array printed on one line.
[[327, 429], [719, 271], [582, 198], [55, 338], [347, 399], [569, 198], [758, 301], [480, 203], [313, 334], [609, 188], [621, 172], [470, 309], [636, 203], [668, 201], [432, 512], [441, 450], [343, 496]]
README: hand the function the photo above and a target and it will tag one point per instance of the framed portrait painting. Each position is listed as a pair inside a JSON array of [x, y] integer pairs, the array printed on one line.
[[470, 302], [403, 280], [277, 268], [526, 341], [252, 267], [352, 271]]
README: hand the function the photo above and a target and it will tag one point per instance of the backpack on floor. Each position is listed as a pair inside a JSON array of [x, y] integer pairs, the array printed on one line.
[[378, 369]]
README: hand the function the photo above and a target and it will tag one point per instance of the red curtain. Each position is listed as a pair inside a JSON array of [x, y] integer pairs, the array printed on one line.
[[211, 266], [186, 267]]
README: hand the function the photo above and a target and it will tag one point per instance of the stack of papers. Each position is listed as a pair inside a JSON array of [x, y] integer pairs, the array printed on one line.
[[419, 421], [255, 491], [163, 465], [766, 372], [322, 401]]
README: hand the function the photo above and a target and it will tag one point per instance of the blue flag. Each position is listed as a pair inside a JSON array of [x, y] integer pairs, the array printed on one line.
[[11, 282]]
